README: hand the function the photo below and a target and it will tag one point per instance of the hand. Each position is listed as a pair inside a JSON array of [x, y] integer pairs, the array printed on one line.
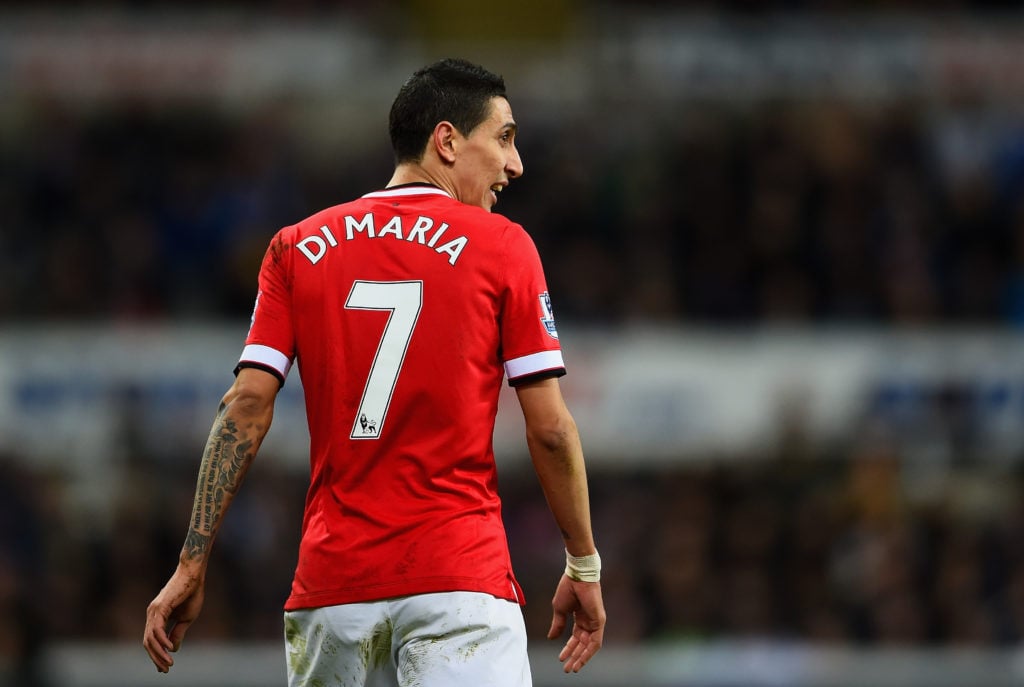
[[583, 601], [169, 616]]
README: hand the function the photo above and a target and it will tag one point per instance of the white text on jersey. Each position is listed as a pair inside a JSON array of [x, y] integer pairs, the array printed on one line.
[[315, 247]]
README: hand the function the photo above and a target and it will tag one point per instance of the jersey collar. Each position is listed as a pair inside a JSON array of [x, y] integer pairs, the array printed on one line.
[[416, 188]]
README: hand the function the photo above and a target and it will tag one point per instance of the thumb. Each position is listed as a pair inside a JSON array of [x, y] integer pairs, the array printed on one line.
[[558, 622], [177, 634]]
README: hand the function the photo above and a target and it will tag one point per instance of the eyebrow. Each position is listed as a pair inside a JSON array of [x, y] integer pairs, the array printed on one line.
[[509, 126]]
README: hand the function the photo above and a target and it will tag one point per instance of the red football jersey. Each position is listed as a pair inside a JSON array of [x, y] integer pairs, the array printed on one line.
[[404, 309]]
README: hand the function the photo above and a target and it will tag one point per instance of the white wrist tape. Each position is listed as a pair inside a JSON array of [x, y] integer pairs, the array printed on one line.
[[583, 568]]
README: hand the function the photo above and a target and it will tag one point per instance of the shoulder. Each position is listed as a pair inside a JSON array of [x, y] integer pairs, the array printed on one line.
[[514, 236], [291, 234], [329, 215]]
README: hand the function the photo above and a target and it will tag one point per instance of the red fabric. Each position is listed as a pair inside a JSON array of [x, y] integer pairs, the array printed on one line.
[[403, 497]]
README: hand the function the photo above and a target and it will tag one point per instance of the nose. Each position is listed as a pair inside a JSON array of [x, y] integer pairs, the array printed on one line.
[[514, 164]]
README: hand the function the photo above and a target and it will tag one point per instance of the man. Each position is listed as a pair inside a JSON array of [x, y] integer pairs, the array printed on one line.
[[405, 309]]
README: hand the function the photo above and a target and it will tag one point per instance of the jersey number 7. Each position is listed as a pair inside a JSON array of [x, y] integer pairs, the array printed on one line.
[[403, 299]]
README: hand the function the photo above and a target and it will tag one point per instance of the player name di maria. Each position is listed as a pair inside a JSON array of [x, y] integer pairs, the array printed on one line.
[[422, 231]]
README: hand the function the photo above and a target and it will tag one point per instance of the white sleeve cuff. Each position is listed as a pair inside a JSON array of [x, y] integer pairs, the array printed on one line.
[[267, 357], [545, 361]]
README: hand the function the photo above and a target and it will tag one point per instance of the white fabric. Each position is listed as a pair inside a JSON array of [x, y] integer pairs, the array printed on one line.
[[406, 191], [531, 364], [583, 568], [265, 355], [429, 640]]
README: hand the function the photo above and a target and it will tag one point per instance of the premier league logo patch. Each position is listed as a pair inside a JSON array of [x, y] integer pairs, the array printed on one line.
[[369, 427], [548, 316]]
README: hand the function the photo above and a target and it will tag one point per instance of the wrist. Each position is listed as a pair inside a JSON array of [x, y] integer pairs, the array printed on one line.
[[583, 568], [192, 568]]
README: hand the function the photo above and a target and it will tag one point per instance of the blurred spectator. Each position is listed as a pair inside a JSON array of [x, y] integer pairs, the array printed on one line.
[[795, 212], [25, 526], [822, 549]]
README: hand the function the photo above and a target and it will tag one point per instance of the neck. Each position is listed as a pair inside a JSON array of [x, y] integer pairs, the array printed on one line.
[[409, 173]]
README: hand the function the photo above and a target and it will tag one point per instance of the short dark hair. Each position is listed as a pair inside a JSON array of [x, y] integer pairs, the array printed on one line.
[[452, 90]]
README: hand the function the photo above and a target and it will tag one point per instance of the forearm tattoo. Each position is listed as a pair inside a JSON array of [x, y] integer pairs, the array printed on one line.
[[227, 456]]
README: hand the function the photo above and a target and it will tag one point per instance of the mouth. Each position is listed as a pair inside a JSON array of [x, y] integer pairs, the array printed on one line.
[[495, 190]]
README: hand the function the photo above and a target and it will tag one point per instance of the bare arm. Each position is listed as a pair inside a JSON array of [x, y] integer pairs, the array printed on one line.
[[557, 456], [242, 422]]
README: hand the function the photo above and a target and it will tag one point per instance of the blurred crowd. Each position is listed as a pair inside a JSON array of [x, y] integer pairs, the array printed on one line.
[[804, 212], [792, 545]]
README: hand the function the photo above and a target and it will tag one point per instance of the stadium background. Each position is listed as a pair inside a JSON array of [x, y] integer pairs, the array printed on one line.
[[785, 243]]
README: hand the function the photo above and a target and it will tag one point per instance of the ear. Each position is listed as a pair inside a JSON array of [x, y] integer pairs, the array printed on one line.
[[444, 141]]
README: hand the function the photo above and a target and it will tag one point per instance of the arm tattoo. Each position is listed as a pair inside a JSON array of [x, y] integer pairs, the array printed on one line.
[[228, 454]]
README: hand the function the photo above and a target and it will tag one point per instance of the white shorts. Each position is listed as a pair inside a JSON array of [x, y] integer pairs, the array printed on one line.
[[427, 640]]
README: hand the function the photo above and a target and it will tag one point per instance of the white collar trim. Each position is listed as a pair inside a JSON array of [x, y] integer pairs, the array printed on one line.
[[407, 191]]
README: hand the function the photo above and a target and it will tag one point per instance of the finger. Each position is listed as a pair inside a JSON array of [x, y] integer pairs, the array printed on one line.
[[578, 663], [157, 634], [580, 649], [178, 635], [155, 639], [569, 648], [156, 625], [558, 621], [165, 641], [157, 653], [579, 658]]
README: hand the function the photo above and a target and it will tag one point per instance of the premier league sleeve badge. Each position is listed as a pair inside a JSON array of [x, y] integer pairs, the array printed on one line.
[[547, 315]]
